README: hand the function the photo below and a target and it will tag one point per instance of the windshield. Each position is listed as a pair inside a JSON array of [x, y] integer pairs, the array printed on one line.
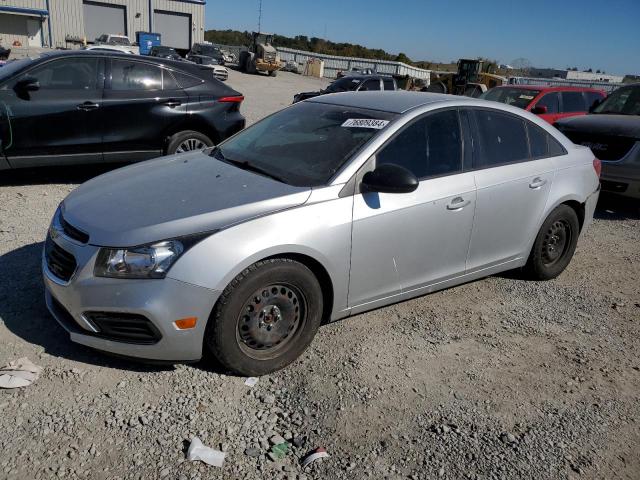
[[624, 101], [345, 84], [518, 97], [119, 41], [12, 67], [210, 51], [305, 144]]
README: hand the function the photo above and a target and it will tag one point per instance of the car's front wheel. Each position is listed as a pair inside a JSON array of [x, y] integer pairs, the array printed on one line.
[[266, 317], [187, 141], [554, 245]]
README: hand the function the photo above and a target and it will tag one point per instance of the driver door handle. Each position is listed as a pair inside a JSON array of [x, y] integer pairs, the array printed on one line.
[[86, 106], [458, 203], [537, 183], [173, 103]]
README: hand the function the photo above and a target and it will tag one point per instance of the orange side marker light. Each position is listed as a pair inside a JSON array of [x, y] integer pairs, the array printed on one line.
[[186, 323]]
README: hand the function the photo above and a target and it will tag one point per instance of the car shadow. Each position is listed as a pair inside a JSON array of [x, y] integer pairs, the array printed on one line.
[[616, 207], [24, 313], [54, 175]]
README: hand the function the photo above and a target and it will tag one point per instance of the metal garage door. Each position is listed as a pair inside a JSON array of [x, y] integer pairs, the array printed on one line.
[[101, 18], [175, 28]]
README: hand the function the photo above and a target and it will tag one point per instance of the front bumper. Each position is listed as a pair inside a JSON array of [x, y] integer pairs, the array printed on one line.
[[160, 301]]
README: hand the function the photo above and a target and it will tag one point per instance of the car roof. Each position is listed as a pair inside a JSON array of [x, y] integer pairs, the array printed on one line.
[[365, 76], [389, 101], [543, 88]]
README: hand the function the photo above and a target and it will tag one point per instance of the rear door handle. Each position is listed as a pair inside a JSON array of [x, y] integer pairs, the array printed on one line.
[[86, 106], [458, 203], [537, 183], [173, 103]]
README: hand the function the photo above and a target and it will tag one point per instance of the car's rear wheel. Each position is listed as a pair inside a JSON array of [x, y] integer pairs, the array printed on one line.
[[188, 141], [266, 317], [554, 245]]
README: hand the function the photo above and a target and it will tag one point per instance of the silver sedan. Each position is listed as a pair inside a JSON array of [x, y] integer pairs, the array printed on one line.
[[326, 209]]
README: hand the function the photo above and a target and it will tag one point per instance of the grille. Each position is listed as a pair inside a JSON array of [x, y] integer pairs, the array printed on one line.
[[60, 262], [604, 147], [270, 56], [124, 327], [72, 232]]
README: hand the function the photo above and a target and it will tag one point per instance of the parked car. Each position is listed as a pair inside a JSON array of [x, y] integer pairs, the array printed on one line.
[[111, 48], [355, 71], [353, 83], [612, 132], [206, 54], [162, 51], [550, 103], [328, 208], [86, 106], [121, 41]]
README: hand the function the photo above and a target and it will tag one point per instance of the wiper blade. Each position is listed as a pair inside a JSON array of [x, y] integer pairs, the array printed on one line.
[[245, 165]]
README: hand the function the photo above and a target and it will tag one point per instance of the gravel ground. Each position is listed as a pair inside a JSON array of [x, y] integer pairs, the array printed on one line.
[[500, 378]]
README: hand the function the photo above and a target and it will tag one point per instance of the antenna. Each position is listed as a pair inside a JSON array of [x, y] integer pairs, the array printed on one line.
[[259, 16]]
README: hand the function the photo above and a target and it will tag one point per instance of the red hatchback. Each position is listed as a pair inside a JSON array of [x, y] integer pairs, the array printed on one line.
[[550, 103]]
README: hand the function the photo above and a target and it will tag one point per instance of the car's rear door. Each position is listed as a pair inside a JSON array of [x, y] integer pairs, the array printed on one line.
[[61, 121], [402, 243], [513, 184], [572, 103], [142, 102]]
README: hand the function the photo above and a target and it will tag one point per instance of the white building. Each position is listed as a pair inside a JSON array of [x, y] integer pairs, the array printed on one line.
[[593, 77]]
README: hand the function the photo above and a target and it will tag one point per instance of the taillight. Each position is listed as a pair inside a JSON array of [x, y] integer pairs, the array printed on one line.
[[235, 99], [597, 166]]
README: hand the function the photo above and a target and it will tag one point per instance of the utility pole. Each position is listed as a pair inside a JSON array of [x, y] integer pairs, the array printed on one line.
[[260, 16]]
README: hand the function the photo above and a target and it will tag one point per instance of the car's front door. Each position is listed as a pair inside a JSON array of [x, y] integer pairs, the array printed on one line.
[[551, 101], [142, 101], [513, 183], [58, 119], [402, 243]]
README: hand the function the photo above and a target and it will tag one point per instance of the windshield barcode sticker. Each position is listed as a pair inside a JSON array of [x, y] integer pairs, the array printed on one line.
[[365, 123]]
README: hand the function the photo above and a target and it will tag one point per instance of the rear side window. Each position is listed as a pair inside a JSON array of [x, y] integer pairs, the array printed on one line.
[[542, 144], [592, 98], [551, 101], [572, 102], [168, 82], [186, 81], [370, 85], [388, 84], [127, 75], [429, 147], [502, 139]]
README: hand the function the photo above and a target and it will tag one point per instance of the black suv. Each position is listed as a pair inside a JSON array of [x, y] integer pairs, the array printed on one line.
[[205, 54], [353, 83], [86, 106], [161, 51], [612, 131]]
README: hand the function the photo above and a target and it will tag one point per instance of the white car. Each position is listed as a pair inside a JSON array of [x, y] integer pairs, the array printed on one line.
[[220, 72], [118, 42], [112, 48]]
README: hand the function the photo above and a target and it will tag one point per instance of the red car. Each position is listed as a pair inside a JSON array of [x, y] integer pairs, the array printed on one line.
[[550, 103]]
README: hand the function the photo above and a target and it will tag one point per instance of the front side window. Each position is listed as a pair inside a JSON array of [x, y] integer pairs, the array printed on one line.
[[67, 74], [128, 75], [370, 85], [501, 139], [305, 144], [551, 101], [572, 102], [388, 84], [429, 147]]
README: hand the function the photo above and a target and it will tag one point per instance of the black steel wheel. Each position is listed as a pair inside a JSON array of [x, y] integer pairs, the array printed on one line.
[[266, 317], [555, 244]]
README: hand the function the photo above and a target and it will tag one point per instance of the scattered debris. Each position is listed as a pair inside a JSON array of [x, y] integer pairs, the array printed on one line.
[[19, 373], [251, 382], [198, 451], [313, 456], [279, 451]]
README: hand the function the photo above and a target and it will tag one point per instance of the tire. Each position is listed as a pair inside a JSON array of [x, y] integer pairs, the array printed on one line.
[[273, 73], [554, 245], [247, 335], [187, 141]]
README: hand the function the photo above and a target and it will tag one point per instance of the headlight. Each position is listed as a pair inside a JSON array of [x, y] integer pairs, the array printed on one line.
[[149, 261]]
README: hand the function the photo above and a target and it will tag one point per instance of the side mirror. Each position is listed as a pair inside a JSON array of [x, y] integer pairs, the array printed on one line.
[[27, 84], [390, 178], [539, 110], [595, 104]]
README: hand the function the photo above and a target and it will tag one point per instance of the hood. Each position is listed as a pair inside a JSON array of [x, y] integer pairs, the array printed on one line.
[[171, 197], [603, 124]]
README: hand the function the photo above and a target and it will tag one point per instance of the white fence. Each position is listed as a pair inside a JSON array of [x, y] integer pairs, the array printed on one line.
[[333, 64], [561, 82]]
